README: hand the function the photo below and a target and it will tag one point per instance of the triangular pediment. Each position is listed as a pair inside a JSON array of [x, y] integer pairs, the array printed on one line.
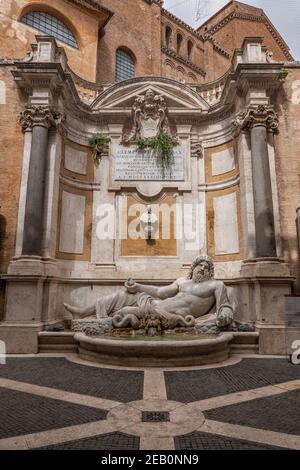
[[176, 95]]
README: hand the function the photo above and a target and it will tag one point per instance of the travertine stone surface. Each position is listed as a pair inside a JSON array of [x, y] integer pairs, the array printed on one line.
[[72, 223]]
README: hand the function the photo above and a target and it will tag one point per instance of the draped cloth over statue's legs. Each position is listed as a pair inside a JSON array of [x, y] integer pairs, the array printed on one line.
[[121, 300]]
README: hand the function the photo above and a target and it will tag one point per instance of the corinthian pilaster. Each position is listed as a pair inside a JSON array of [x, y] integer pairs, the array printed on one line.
[[37, 119], [259, 120]]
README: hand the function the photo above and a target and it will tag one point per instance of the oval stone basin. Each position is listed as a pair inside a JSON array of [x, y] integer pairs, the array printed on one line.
[[155, 352]]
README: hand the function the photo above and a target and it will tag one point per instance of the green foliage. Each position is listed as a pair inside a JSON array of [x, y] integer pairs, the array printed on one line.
[[284, 73], [142, 144], [98, 139], [56, 113], [162, 146], [99, 144]]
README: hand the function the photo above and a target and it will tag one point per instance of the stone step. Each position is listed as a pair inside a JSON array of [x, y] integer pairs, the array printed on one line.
[[57, 342], [245, 343]]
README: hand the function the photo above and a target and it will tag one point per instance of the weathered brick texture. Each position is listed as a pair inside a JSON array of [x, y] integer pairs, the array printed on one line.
[[11, 153]]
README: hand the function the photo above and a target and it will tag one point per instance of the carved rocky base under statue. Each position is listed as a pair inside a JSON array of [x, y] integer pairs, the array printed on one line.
[[94, 327]]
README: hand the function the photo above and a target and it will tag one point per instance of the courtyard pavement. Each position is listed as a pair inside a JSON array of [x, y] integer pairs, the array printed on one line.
[[55, 401]]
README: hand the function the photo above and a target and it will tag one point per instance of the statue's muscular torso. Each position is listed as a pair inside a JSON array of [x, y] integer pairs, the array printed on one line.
[[192, 298]]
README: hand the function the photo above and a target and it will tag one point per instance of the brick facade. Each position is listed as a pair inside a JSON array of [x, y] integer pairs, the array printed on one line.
[[161, 44], [141, 26], [11, 156], [288, 166]]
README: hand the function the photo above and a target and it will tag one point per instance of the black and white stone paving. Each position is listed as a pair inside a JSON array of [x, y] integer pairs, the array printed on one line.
[[61, 402], [60, 373]]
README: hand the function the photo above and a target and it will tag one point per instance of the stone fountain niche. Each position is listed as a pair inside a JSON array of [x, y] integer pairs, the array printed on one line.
[[102, 225], [155, 204]]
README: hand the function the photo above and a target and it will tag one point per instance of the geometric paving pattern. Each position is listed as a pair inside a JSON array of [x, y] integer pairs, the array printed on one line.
[[279, 413], [118, 385], [56, 403], [111, 441], [202, 441], [194, 385], [23, 413]]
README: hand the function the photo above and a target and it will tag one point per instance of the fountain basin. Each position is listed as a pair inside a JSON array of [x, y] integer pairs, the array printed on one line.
[[158, 353]]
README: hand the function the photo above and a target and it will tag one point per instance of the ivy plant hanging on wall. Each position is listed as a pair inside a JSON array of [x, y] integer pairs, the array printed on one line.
[[99, 144], [162, 146]]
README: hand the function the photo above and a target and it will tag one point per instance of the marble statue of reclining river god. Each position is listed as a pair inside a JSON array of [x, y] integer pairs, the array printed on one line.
[[197, 300]]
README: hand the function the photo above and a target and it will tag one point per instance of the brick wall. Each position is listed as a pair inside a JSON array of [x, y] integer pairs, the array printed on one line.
[[288, 167], [11, 152], [15, 37], [229, 32], [134, 26]]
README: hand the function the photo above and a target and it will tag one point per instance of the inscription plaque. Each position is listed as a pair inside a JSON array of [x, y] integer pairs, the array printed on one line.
[[134, 165]]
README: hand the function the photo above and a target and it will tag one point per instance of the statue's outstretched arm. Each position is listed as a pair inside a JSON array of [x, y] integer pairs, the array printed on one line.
[[224, 309]]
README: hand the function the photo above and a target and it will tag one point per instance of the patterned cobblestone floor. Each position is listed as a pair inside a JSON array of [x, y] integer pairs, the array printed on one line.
[[58, 403], [280, 413], [194, 385], [111, 441], [60, 373], [204, 441], [22, 413]]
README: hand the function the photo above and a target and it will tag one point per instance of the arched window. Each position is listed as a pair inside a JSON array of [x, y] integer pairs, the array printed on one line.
[[169, 33], [50, 25], [179, 43], [190, 50], [125, 65]]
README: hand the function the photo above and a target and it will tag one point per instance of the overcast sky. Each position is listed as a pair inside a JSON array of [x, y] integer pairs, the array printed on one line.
[[284, 14]]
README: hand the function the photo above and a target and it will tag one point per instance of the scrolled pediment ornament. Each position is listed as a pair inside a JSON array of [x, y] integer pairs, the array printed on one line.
[[261, 115], [149, 118]]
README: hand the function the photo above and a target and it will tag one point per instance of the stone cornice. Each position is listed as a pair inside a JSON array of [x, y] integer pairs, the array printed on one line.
[[34, 74], [265, 76], [184, 61], [74, 107], [60, 82]]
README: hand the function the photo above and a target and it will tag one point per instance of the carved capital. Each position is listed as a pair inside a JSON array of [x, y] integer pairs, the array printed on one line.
[[40, 116], [261, 115]]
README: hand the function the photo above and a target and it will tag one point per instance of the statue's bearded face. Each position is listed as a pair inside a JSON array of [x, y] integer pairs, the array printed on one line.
[[201, 272]]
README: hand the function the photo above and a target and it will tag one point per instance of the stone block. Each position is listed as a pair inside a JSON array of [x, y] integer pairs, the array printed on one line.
[[19, 339], [277, 340]]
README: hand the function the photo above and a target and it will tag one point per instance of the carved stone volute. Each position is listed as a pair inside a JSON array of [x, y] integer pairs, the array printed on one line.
[[40, 116], [261, 115]]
